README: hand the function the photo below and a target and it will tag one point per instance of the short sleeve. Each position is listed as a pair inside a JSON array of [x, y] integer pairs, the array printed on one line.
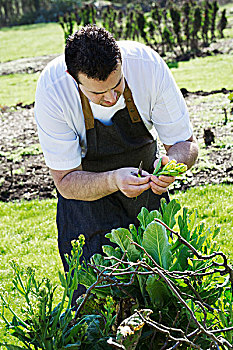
[[59, 143], [170, 114]]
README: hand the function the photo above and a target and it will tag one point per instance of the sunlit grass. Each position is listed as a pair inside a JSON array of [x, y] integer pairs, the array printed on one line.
[[215, 207], [30, 41], [205, 73], [16, 88], [28, 236]]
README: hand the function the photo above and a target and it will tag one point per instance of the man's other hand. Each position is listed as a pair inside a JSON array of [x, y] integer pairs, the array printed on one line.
[[160, 184], [128, 182]]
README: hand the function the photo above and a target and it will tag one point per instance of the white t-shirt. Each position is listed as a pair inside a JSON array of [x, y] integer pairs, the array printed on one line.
[[60, 119]]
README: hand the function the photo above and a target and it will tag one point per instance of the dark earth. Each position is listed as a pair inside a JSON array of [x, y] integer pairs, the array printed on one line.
[[24, 175]]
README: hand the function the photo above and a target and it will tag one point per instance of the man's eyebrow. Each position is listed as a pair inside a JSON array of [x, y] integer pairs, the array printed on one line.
[[99, 93]]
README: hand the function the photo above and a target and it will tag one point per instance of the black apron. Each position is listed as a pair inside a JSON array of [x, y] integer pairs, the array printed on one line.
[[124, 143]]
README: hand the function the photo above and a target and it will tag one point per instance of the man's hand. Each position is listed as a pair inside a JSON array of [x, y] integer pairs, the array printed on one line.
[[160, 184], [129, 183]]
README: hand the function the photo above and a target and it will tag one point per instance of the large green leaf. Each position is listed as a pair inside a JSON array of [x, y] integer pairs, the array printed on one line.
[[121, 237], [142, 217], [155, 242], [183, 224], [94, 331], [158, 292], [87, 277], [145, 217], [169, 211]]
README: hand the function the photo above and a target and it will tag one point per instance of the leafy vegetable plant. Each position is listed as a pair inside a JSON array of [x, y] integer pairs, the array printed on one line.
[[166, 285], [180, 276], [43, 326]]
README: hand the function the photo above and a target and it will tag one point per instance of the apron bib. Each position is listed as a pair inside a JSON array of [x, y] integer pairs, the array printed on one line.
[[124, 143]]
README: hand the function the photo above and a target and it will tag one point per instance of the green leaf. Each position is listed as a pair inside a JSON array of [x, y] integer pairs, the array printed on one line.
[[158, 166], [18, 287], [155, 242], [98, 259], [145, 217], [158, 292], [183, 224], [216, 231], [154, 214], [142, 285], [120, 237], [136, 233], [54, 313], [94, 327], [87, 277], [74, 284], [62, 279], [110, 251], [169, 212], [192, 220], [142, 217], [182, 258]]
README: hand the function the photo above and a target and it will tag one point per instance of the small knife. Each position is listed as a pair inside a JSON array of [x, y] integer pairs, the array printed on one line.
[[140, 169]]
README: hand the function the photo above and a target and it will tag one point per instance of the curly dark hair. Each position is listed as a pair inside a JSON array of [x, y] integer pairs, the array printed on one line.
[[92, 51]]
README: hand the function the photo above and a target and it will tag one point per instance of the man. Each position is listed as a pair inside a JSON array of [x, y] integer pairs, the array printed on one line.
[[98, 110]]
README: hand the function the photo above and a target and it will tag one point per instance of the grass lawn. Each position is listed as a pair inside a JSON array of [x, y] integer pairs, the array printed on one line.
[[18, 88], [30, 41], [207, 73], [28, 234], [215, 207]]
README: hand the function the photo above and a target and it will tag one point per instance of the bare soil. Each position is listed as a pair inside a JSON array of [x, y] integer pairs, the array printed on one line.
[[24, 175]]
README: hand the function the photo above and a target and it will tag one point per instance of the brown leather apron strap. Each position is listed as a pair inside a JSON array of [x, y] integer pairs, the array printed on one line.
[[133, 111], [87, 112], [88, 115]]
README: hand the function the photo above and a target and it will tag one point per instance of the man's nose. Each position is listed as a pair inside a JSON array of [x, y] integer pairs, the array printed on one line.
[[110, 96]]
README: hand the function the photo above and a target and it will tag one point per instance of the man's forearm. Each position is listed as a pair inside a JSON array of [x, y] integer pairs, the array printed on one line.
[[87, 186], [184, 152]]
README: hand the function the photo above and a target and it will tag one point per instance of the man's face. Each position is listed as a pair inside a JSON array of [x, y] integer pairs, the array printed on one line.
[[105, 93]]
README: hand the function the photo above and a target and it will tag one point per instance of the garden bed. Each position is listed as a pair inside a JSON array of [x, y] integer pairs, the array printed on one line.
[[23, 173]]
